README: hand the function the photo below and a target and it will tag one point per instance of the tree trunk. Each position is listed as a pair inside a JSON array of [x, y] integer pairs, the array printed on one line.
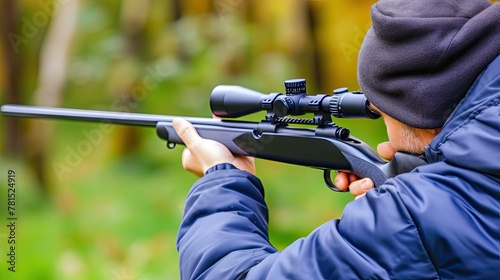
[[13, 140], [51, 79]]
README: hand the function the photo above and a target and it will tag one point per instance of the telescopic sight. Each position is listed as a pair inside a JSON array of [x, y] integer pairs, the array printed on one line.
[[235, 101]]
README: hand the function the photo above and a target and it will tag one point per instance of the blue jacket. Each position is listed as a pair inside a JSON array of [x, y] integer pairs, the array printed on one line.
[[441, 220]]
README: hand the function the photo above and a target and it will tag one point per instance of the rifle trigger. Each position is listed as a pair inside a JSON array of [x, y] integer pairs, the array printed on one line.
[[329, 183]]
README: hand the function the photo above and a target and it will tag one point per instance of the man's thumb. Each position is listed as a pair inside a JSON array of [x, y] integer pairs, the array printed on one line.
[[186, 131]]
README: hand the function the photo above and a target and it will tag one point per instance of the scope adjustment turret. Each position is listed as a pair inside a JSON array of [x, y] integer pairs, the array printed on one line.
[[295, 86], [283, 106]]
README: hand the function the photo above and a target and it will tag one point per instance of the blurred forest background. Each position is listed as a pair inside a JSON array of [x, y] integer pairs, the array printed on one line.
[[99, 202]]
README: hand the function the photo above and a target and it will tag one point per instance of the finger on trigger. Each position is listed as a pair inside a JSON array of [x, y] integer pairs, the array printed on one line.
[[341, 181]]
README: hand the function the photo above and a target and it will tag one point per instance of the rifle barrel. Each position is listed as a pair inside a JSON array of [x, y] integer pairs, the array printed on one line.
[[83, 115]]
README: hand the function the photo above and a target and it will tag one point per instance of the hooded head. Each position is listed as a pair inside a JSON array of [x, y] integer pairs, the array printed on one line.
[[419, 58]]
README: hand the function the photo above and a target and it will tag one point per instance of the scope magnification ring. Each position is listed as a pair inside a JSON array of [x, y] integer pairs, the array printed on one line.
[[334, 106]]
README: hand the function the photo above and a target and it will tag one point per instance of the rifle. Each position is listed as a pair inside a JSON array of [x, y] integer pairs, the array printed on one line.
[[327, 147]]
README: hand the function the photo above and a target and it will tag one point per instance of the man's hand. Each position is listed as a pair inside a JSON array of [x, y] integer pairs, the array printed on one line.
[[359, 186], [200, 154]]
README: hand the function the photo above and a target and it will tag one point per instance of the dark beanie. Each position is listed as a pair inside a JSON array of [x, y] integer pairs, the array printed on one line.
[[420, 57]]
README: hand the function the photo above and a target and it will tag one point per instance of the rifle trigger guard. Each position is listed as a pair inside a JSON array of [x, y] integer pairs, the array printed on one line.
[[329, 183]]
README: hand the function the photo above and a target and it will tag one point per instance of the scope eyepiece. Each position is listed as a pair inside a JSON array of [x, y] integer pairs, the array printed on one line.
[[236, 101]]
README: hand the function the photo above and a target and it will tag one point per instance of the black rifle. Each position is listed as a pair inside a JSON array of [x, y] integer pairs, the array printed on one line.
[[327, 147]]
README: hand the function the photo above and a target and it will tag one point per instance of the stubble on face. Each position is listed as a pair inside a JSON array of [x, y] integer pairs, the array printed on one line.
[[410, 140], [403, 137]]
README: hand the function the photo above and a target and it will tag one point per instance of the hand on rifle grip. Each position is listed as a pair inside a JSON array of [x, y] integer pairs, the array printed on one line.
[[359, 186]]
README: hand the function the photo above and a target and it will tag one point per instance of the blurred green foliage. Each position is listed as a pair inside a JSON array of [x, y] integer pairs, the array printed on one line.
[[114, 212]]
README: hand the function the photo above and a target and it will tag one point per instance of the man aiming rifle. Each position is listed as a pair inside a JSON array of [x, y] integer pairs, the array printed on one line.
[[432, 70]]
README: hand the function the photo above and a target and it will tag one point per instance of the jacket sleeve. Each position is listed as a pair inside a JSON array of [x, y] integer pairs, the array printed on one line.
[[223, 235], [223, 231]]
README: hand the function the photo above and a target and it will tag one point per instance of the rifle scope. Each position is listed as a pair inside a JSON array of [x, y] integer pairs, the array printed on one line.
[[236, 101]]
